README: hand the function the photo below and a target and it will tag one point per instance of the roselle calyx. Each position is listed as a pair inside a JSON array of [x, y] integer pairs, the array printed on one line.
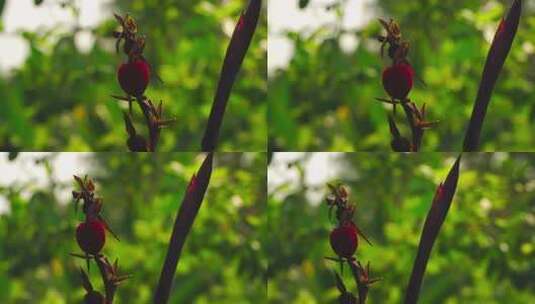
[[91, 236], [136, 143], [344, 240], [94, 297], [134, 77], [400, 144], [398, 80], [347, 298]]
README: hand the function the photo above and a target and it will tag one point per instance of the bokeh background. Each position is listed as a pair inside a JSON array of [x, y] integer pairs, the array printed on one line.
[[485, 251], [222, 261], [58, 69], [324, 73]]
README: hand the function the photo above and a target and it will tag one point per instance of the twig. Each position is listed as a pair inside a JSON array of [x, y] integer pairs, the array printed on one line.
[[92, 206], [133, 46], [239, 43], [434, 220], [151, 120], [186, 215], [345, 242], [109, 286], [362, 279], [417, 132], [501, 45]]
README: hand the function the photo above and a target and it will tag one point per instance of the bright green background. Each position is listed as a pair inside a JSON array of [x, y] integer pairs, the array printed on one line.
[[59, 100], [482, 255], [222, 261], [325, 99]]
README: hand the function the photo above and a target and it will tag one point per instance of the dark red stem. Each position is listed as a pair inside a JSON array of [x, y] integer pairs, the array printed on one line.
[[189, 208], [434, 220], [239, 44]]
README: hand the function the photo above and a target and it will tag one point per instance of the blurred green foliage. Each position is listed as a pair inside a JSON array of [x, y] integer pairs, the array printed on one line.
[[222, 261], [59, 100], [325, 99], [485, 252]]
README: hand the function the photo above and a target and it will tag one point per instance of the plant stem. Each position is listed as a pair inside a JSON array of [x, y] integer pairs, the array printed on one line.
[[238, 46], [187, 212], [433, 221], [501, 45]]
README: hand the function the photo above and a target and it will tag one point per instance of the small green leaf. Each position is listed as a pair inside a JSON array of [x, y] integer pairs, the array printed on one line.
[[37, 2]]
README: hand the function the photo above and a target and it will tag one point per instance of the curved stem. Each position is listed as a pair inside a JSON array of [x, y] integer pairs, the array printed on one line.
[[191, 203]]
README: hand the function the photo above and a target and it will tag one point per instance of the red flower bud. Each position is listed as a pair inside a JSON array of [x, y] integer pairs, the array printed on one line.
[[398, 80], [137, 143], [344, 240], [400, 144], [91, 236], [94, 297], [134, 77], [347, 298]]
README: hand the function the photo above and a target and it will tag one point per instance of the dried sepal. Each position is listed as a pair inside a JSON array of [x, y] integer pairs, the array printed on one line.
[[340, 283], [86, 283]]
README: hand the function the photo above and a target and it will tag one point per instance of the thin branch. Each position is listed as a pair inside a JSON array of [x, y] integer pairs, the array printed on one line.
[[239, 44], [417, 132], [434, 220], [501, 45], [151, 120], [109, 286], [189, 208]]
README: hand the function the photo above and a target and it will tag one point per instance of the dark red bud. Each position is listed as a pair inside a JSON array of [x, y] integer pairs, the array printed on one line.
[[91, 236], [400, 144], [398, 80], [134, 77], [94, 297], [344, 240], [137, 143], [347, 298]]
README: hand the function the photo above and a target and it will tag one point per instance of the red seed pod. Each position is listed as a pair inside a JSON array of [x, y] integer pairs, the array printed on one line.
[[134, 77], [400, 144], [94, 297], [137, 143], [91, 236], [347, 298], [398, 80], [344, 240]]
